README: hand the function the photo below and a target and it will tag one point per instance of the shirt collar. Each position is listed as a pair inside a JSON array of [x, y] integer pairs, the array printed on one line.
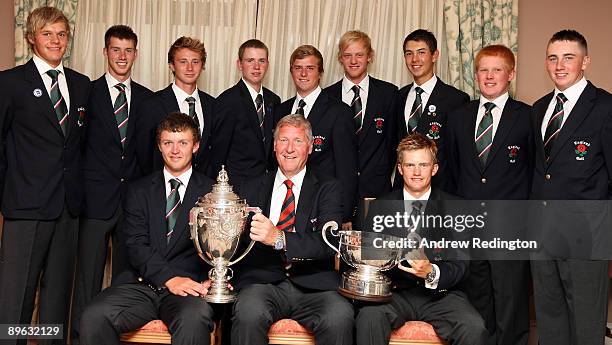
[[311, 98], [347, 85], [43, 66], [427, 86], [499, 102], [184, 177], [297, 180], [111, 81], [573, 92], [408, 196], [252, 91], [181, 95]]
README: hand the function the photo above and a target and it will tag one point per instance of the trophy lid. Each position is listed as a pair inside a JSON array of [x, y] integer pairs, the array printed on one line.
[[222, 192]]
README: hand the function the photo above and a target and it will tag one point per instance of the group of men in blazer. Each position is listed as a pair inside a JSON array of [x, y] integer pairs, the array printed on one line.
[[82, 162]]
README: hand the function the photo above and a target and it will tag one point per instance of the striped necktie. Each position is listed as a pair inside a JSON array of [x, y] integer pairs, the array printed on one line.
[[300, 108], [484, 134], [121, 112], [357, 109], [173, 205], [59, 104], [192, 112], [553, 127], [417, 110], [260, 111], [287, 216]]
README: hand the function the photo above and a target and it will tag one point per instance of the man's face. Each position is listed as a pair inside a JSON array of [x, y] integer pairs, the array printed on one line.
[[253, 66], [50, 42], [566, 62], [305, 74], [417, 168], [292, 148], [177, 149], [354, 60], [187, 66], [419, 60], [493, 76], [120, 55]]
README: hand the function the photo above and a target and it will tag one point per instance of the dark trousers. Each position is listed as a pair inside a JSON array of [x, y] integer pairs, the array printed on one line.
[[451, 315], [126, 307], [571, 301], [34, 250], [327, 314], [94, 235], [499, 290]]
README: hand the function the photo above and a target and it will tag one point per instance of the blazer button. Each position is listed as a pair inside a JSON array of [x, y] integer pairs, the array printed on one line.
[[483, 180], [122, 179], [547, 176], [122, 157]]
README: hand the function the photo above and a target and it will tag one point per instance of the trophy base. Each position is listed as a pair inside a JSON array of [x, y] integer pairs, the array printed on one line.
[[220, 297], [365, 287]]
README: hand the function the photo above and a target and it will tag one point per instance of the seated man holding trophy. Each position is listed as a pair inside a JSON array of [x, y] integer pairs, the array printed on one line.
[[290, 273], [164, 280], [424, 290]]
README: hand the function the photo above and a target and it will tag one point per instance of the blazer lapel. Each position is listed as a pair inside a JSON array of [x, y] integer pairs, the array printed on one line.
[[540, 110], [168, 100], [158, 206], [136, 98], [247, 103], [268, 121], [44, 101], [506, 122], [579, 113], [265, 192], [469, 128], [104, 101], [318, 109], [370, 111], [305, 202], [187, 203]]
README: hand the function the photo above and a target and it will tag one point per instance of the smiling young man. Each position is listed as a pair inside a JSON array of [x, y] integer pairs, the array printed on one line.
[[41, 113], [373, 104], [109, 163], [165, 279], [244, 119], [335, 145], [423, 106], [490, 155], [290, 271], [571, 294], [186, 60]]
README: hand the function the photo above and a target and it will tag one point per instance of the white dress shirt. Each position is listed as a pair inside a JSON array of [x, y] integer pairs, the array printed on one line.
[[181, 97], [114, 93], [43, 68], [254, 94], [572, 94], [348, 94], [427, 87], [309, 99], [280, 190], [496, 112], [184, 178]]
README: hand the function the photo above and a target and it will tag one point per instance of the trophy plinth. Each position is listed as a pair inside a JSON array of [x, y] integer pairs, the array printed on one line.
[[217, 221], [366, 283]]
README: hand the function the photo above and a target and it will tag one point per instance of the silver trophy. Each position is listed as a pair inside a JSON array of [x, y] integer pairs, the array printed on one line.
[[366, 282], [217, 221]]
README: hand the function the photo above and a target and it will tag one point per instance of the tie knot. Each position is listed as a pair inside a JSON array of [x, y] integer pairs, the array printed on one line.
[[53, 73], [174, 183], [190, 100], [289, 184], [418, 90], [259, 99], [561, 98], [301, 103], [355, 89], [417, 205], [489, 106], [120, 87]]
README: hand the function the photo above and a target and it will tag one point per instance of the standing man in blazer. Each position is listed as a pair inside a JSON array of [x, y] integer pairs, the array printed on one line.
[[244, 119], [373, 104], [290, 273], [186, 59], [490, 154], [109, 163], [573, 130], [41, 116], [423, 106], [335, 145], [164, 279], [428, 289]]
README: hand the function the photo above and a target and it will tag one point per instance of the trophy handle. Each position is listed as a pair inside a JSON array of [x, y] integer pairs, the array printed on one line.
[[243, 254], [333, 226], [400, 266], [193, 224]]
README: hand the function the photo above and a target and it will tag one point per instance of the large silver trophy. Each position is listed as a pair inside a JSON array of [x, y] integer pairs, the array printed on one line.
[[217, 221], [366, 282]]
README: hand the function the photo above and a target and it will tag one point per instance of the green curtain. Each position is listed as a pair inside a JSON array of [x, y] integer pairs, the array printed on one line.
[[23, 9], [471, 25]]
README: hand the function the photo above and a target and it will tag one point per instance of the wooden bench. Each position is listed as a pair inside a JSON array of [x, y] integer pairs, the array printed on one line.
[[156, 332]]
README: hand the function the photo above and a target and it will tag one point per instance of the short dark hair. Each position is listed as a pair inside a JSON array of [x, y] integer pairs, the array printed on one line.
[[305, 51], [417, 141], [122, 32], [252, 43], [178, 122], [190, 43], [572, 36], [422, 35]]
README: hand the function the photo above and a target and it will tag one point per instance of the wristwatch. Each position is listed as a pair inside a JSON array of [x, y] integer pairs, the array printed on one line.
[[431, 276], [279, 243]]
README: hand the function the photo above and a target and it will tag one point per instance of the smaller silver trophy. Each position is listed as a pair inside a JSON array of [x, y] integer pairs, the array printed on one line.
[[366, 282], [216, 222]]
